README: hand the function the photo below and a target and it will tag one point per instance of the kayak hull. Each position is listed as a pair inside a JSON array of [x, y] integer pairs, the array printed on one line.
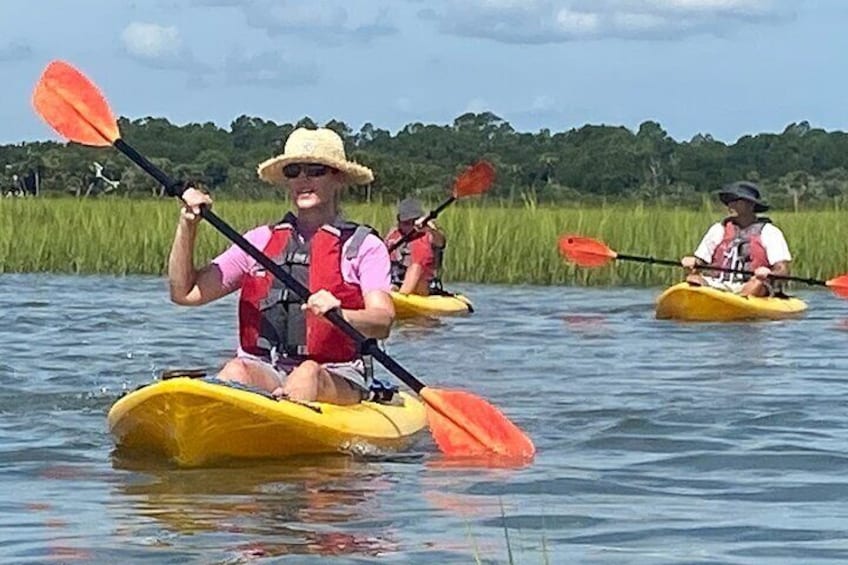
[[704, 304], [194, 423], [412, 305]]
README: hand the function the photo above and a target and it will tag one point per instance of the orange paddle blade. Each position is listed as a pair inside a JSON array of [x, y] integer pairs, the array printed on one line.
[[839, 285], [73, 106], [475, 180], [585, 251], [463, 424]]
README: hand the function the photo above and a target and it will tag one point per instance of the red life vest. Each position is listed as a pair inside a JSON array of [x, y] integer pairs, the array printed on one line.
[[401, 257], [270, 317], [741, 248]]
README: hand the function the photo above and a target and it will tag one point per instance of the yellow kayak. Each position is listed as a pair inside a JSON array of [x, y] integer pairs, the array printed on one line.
[[194, 423], [412, 305], [700, 303]]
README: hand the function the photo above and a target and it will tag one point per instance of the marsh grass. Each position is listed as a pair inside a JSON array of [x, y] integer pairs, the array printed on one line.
[[493, 244], [506, 532], [474, 545]]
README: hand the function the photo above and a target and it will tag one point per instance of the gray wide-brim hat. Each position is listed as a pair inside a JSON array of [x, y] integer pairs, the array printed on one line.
[[743, 190], [409, 209]]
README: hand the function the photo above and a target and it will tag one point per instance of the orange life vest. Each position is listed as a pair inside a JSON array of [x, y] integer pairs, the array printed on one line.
[[401, 257], [741, 248]]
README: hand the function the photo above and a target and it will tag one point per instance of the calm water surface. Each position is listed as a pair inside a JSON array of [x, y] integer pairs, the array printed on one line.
[[659, 442]]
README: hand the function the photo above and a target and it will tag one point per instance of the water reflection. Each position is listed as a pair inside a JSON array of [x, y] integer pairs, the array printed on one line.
[[323, 506], [409, 326], [587, 324], [52, 535]]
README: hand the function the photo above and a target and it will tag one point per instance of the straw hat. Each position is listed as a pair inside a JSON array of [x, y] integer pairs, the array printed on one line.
[[320, 145]]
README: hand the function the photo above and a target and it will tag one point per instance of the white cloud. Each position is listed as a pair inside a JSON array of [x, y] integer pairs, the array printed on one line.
[[508, 4], [279, 16], [151, 41], [325, 22], [161, 47], [217, 3], [268, 68], [638, 22], [577, 23], [551, 21], [706, 5]]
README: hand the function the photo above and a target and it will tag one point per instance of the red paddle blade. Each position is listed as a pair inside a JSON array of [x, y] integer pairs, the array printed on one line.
[[585, 251], [839, 285], [73, 106], [475, 180], [463, 424]]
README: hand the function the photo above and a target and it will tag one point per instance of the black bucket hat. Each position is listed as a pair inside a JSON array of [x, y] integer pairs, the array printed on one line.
[[743, 190]]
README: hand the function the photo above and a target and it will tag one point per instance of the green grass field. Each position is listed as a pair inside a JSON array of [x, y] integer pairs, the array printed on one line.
[[485, 243]]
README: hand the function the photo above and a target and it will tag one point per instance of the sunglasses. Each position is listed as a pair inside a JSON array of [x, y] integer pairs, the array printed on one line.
[[293, 170]]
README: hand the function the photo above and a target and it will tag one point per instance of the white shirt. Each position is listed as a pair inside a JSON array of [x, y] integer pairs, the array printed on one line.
[[771, 237]]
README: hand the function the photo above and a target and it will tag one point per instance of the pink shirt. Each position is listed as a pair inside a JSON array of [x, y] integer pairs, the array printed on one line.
[[369, 269]]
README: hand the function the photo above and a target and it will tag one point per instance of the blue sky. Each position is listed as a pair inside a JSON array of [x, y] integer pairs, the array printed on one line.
[[724, 67]]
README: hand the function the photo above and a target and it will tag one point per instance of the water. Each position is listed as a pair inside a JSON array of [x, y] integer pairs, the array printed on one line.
[[659, 442]]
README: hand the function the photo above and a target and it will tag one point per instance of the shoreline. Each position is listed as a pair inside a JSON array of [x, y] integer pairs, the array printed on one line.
[[486, 244]]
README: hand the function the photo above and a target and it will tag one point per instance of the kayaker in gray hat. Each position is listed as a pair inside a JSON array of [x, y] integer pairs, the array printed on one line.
[[743, 240], [415, 263]]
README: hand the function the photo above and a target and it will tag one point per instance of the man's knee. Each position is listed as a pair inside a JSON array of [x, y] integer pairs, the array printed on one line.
[[235, 370], [307, 369]]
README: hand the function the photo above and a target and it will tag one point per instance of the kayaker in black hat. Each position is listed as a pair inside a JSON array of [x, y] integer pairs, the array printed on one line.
[[743, 240]]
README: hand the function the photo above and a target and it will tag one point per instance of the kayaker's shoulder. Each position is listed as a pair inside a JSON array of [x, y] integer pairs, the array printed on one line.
[[372, 242], [716, 230], [259, 235], [772, 228]]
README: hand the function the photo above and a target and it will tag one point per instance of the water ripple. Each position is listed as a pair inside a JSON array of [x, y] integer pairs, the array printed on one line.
[[659, 442]]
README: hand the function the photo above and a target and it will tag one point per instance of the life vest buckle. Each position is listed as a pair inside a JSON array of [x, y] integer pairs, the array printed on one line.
[[382, 392]]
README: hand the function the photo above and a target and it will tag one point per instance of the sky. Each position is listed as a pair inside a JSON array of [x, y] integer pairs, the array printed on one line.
[[721, 67]]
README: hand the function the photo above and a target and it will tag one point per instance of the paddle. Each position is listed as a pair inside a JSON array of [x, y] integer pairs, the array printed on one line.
[[476, 179], [588, 252], [461, 423]]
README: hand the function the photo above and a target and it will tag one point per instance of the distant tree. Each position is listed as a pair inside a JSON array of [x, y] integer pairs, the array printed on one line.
[[800, 166], [305, 122]]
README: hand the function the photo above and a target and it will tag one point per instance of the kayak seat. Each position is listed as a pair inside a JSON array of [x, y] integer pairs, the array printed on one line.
[[381, 392]]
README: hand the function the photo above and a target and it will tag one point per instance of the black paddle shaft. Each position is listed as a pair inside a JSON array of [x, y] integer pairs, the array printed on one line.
[[366, 345], [653, 261], [430, 216]]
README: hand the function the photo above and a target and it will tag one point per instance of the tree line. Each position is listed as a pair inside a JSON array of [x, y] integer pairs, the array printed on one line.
[[800, 166]]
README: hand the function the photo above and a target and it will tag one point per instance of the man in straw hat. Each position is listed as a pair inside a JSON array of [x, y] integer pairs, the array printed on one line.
[[286, 347], [416, 262], [744, 241]]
